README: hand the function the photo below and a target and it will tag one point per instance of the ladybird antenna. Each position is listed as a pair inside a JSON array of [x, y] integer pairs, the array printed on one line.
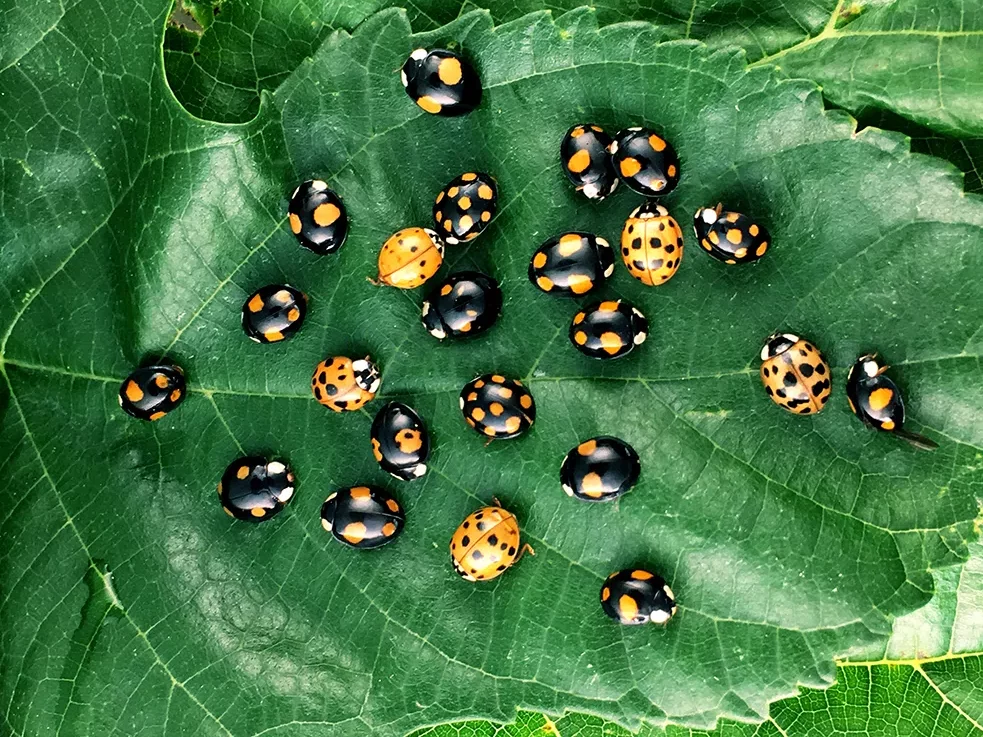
[[919, 441]]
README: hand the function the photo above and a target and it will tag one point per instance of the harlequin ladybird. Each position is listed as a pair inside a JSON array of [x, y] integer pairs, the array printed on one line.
[[151, 392], [318, 217], [441, 82], [255, 489], [410, 257], [876, 400], [795, 374], [273, 313], [486, 543], [343, 384], [498, 407], [651, 244], [362, 517], [400, 442], [637, 597], [464, 304], [465, 207], [600, 469], [587, 161], [646, 162], [608, 330], [730, 236], [571, 264]]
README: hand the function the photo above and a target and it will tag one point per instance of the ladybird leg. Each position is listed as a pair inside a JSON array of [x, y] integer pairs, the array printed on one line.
[[373, 282], [487, 443], [495, 498], [881, 370], [522, 551]]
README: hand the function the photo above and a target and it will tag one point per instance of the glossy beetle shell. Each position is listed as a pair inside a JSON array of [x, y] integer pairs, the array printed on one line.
[[150, 392], [795, 374], [730, 236], [609, 329], [636, 596], [318, 217], [400, 441], [273, 313], [409, 257], [497, 407], [463, 305], [572, 264], [344, 385], [600, 469], [362, 517], [651, 244], [877, 402], [645, 162], [485, 544], [586, 161], [441, 82], [255, 489], [465, 206]]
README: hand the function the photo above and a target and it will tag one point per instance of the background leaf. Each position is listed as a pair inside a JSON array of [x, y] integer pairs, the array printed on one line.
[[131, 228]]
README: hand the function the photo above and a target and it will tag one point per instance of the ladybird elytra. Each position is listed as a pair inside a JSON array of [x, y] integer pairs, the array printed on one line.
[[730, 237], [877, 402], [651, 244], [317, 217], [150, 392], [497, 407], [255, 489], [465, 207], [586, 160], [362, 517], [795, 374], [600, 469], [409, 257], [441, 82], [486, 544], [637, 596], [571, 264], [645, 161], [400, 441], [463, 305], [273, 313], [344, 385]]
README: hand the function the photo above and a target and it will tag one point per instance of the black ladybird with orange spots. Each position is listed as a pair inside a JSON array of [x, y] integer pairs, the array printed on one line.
[[400, 442], [877, 402], [273, 313], [318, 217], [151, 392], [441, 82], [795, 374], [255, 489], [608, 329], [586, 160], [645, 161], [497, 407], [571, 264], [344, 385], [465, 304], [465, 207], [730, 236], [362, 517], [600, 469], [635, 596]]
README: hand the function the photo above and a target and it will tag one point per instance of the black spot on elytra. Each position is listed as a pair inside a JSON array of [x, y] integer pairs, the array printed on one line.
[[821, 369], [636, 243], [466, 524], [500, 568], [820, 386], [413, 249], [655, 242], [476, 554], [625, 251], [781, 393], [638, 265], [806, 370], [423, 263], [789, 379], [331, 390], [322, 377], [317, 392], [465, 541], [482, 526], [511, 551], [803, 352], [770, 391], [670, 248], [656, 263], [493, 539], [342, 377]]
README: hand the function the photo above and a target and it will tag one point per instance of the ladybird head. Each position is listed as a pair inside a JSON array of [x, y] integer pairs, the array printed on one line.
[[412, 65], [869, 365], [367, 375], [437, 240], [649, 209], [778, 343]]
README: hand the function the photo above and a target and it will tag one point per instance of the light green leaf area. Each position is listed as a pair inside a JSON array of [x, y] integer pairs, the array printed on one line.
[[131, 229]]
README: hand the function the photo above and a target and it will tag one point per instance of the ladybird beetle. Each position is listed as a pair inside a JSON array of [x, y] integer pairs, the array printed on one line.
[[608, 329], [343, 384], [646, 162], [730, 236], [795, 374], [400, 442], [587, 161], [318, 217], [464, 304], [876, 400], [151, 392], [635, 596], [486, 543], [465, 207], [362, 517], [410, 257], [273, 313], [255, 489], [441, 82], [600, 469], [651, 244], [498, 407], [571, 264]]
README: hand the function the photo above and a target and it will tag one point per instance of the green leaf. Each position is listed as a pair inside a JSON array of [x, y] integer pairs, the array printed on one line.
[[133, 229]]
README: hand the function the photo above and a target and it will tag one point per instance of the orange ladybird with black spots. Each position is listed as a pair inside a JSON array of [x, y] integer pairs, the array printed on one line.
[[645, 161], [571, 264], [795, 374], [876, 400], [465, 206], [651, 244], [400, 441], [317, 217], [586, 160], [362, 517], [637, 596], [273, 313], [497, 407], [441, 82], [609, 329], [409, 257], [344, 385], [730, 236], [255, 489], [151, 392], [600, 469], [486, 544]]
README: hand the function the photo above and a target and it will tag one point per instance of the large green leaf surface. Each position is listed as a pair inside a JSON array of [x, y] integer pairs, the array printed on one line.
[[131, 229]]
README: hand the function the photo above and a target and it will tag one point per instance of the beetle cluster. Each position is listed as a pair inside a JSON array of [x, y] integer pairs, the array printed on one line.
[[573, 264]]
